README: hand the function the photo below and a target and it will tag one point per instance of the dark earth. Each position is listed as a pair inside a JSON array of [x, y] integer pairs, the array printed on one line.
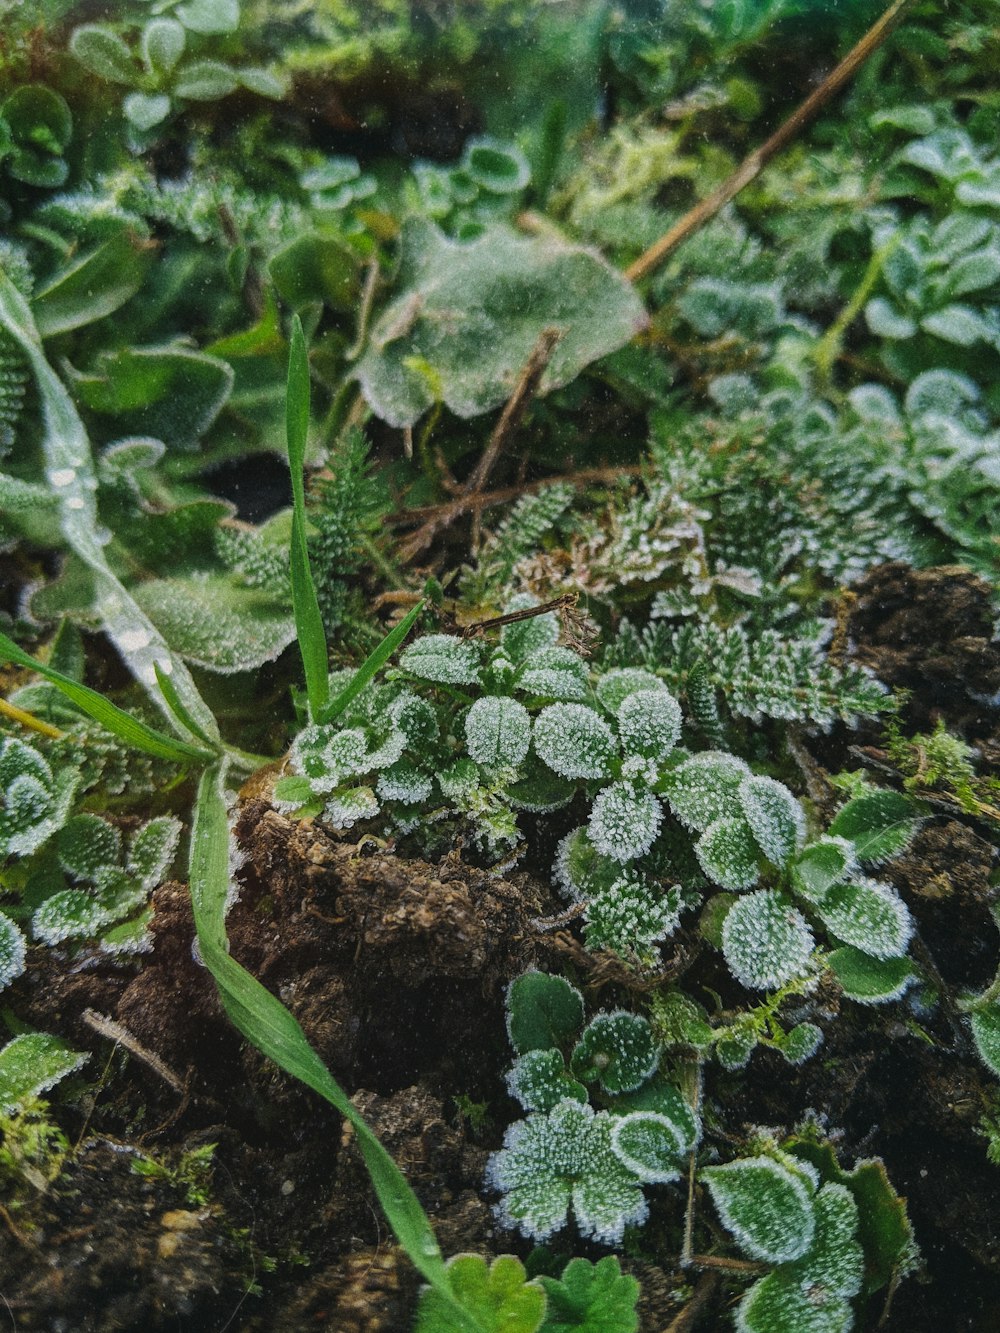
[[397, 970]]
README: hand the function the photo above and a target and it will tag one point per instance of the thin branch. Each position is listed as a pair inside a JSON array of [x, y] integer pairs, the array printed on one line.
[[107, 1027], [751, 167], [515, 407], [29, 720], [567, 599], [704, 1294]]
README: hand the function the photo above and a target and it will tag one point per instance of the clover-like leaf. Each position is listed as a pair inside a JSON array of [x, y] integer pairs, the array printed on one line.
[[443, 658], [35, 801], [614, 687], [591, 1298], [404, 782], [152, 848], [869, 915], [574, 741], [551, 1163], [624, 821], [765, 941], [774, 815], [473, 312], [729, 854], [499, 1298], [542, 1011], [704, 788], [649, 724], [766, 1205], [617, 1049], [497, 732]]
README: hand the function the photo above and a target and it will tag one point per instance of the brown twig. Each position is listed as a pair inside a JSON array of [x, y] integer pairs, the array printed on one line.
[[107, 1027], [567, 599], [742, 1266], [704, 1294], [751, 167]]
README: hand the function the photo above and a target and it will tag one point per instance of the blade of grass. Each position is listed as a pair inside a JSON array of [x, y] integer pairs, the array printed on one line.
[[176, 705], [127, 728], [70, 471], [305, 604], [273, 1029], [372, 664]]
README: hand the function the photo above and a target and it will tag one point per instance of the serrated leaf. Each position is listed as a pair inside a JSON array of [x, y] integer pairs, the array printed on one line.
[[542, 1011], [766, 1206], [539, 1080], [986, 1033], [616, 1049], [778, 1303], [31, 1064], [87, 845], [591, 1298], [474, 312], [500, 1298], [870, 916], [217, 622]]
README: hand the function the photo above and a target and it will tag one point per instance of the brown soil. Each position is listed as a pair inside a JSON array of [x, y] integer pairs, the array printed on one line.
[[397, 970]]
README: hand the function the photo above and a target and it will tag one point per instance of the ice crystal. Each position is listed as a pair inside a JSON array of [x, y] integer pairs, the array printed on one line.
[[574, 741], [649, 724], [727, 852], [551, 672], [704, 788], [630, 915], [497, 732], [624, 821]]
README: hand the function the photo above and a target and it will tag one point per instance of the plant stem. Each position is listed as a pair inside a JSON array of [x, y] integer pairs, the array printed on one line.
[[29, 721], [828, 348], [751, 167]]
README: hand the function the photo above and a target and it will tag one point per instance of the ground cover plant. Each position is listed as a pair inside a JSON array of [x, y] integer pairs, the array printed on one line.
[[499, 728]]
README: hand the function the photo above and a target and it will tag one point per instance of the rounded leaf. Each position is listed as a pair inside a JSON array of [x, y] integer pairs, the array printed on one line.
[[574, 741], [871, 980], [649, 1144], [162, 45], [986, 1033], [12, 951], [822, 864], [497, 732], [205, 81], [768, 1208], [614, 687], [869, 915], [539, 1080], [880, 824], [146, 110], [443, 658], [765, 941], [704, 788], [649, 724], [542, 1011], [500, 168], [552, 672], [617, 1049], [729, 854], [624, 821], [103, 52], [774, 815]]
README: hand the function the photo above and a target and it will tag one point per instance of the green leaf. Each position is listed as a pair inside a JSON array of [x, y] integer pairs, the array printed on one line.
[[650, 1144], [474, 312], [497, 732], [986, 1033], [729, 854], [767, 1207], [958, 324], [574, 741], [618, 1050], [87, 845], [870, 980], [264, 82], [265, 1022], [316, 267], [308, 618], [821, 865], [217, 622], [12, 950], [780, 1304], [205, 81], [766, 942], [539, 1080], [31, 1064], [542, 1011], [91, 286], [103, 52], [162, 45], [371, 666], [127, 728], [500, 1297], [443, 658], [210, 16], [495, 166], [146, 110], [880, 824], [591, 1298], [869, 915], [152, 849]]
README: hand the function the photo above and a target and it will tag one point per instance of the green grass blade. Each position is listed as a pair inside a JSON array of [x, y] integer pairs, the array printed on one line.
[[273, 1029], [169, 691], [127, 728], [305, 605], [372, 664]]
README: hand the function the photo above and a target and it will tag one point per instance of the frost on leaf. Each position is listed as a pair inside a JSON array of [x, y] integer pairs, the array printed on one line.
[[459, 779], [767, 1206], [631, 915], [705, 787], [801, 1042], [31, 1064], [986, 1034], [871, 980], [34, 802], [624, 821], [782, 1304], [614, 687], [618, 1050], [86, 844], [326, 757], [553, 673], [404, 782], [415, 719], [649, 724], [543, 1010], [579, 869], [728, 853], [345, 808], [12, 950], [152, 849], [443, 658], [774, 815], [649, 1144], [539, 1080], [766, 942], [822, 864], [497, 732], [880, 824], [869, 915], [537, 789], [574, 741], [551, 1163]]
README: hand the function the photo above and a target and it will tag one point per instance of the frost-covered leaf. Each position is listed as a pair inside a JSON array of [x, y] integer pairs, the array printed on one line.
[[31, 1064], [100, 50], [167, 393], [766, 942], [880, 824], [538, 789], [405, 782], [539, 1080], [12, 950], [870, 980], [591, 1298], [152, 849], [217, 622], [468, 315], [205, 80], [649, 724], [779, 1303], [650, 1145], [551, 672], [69, 914], [617, 1049], [443, 658], [459, 779], [614, 687], [774, 815], [415, 719], [146, 110], [630, 915], [869, 915], [161, 44], [887, 321], [624, 821], [735, 1046], [326, 756], [499, 1298], [835, 1262], [542, 1011], [579, 869], [35, 802], [521, 638], [87, 845], [345, 808], [497, 732], [986, 1033], [550, 1163], [801, 1042], [729, 854], [767, 1206], [574, 741], [822, 864], [704, 788]]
